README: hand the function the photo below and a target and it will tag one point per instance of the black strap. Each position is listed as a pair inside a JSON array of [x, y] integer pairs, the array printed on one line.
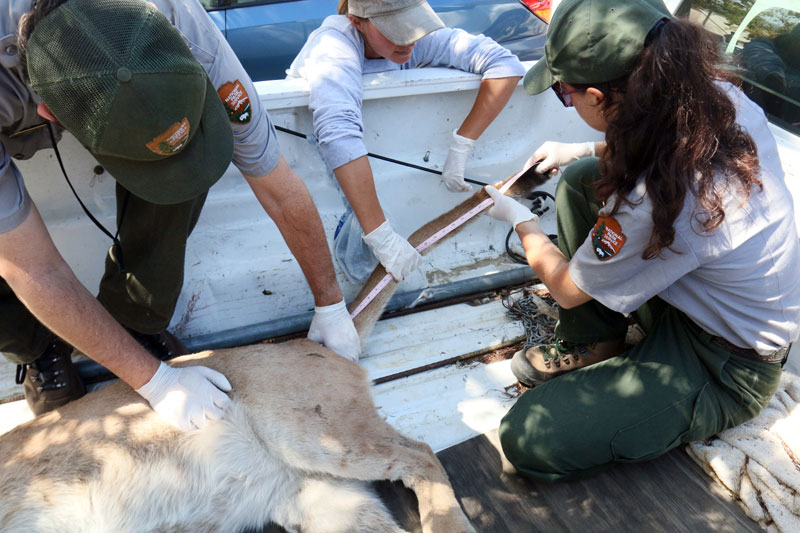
[[21, 371], [383, 157], [115, 237]]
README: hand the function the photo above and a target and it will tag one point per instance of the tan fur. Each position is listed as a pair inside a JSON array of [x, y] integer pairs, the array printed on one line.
[[296, 446], [365, 321]]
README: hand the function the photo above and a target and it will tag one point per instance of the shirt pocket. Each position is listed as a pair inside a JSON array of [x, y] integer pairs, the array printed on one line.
[[205, 51]]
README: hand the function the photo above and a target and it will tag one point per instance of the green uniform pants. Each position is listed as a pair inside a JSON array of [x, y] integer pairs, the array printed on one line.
[[673, 387], [153, 239]]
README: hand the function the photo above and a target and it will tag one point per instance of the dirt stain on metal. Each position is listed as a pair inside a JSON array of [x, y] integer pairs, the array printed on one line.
[[438, 277]]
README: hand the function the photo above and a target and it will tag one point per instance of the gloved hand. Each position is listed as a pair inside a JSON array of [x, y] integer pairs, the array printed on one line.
[[188, 397], [553, 155], [506, 209], [456, 163], [333, 327], [396, 255]]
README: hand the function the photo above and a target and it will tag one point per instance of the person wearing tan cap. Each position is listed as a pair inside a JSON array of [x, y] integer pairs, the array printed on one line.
[[371, 36]]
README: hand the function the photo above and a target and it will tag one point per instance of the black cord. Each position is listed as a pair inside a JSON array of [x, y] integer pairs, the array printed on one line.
[[538, 208], [115, 238], [383, 157]]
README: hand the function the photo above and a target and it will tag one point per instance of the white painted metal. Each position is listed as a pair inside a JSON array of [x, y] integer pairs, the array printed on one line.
[[411, 341], [239, 272], [236, 253], [442, 407]]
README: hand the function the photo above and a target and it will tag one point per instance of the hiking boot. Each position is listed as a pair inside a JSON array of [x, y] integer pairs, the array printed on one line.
[[541, 363], [51, 380], [163, 345]]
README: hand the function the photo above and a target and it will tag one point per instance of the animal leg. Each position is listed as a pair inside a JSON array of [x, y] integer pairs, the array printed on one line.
[[330, 505], [383, 453]]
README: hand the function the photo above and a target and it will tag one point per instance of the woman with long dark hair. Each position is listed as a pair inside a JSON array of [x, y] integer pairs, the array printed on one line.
[[682, 220]]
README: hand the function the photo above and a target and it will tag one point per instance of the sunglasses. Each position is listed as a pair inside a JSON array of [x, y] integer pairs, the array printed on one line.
[[563, 95]]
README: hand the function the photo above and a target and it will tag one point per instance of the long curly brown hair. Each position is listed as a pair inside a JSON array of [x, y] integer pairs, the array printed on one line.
[[671, 125]]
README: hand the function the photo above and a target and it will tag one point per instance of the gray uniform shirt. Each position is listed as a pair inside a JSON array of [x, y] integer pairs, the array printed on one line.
[[739, 281], [332, 61], [256, 151]]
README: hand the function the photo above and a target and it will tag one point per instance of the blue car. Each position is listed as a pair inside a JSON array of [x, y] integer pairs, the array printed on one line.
[[267, 34]]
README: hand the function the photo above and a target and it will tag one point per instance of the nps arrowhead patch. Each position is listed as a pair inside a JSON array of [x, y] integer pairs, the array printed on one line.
[[607, 238]]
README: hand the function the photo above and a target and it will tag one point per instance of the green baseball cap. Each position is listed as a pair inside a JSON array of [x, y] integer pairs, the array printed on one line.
[[593, 41], [119, 77]]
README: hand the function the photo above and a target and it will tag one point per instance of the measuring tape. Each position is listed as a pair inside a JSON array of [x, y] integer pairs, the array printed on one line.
[[433, 239]]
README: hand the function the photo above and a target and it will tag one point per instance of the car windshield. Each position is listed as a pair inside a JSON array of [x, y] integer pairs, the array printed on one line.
[[762, 40]]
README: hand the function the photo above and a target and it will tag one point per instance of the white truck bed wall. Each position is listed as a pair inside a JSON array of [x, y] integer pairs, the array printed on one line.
[[239, 272]]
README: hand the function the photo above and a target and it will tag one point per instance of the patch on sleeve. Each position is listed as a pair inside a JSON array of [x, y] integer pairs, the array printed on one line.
[[236, 100], [172, 140], [607, 238]]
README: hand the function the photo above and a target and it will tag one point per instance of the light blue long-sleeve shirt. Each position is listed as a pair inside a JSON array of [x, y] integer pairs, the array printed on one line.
[[333, 62]]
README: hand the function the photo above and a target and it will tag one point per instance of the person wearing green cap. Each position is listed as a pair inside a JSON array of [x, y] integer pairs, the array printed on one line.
[[369, 36], [684, 221], [157, 96]]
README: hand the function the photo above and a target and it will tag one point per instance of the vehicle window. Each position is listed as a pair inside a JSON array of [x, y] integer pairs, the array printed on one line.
[[240, 3], [762, 38]]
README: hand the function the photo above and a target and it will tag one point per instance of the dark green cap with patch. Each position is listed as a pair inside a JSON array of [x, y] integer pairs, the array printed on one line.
[[593, 41], [119, 77]]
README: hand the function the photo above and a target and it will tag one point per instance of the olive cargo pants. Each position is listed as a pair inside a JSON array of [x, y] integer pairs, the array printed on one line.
[[673, 387], [153, 239]]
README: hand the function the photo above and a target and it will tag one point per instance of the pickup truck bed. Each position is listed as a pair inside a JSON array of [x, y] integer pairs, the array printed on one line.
[[242, 285]]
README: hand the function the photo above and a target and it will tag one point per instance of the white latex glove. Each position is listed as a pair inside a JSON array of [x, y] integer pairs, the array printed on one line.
[[506, 209], [188, 397], [396, 255], [551, 156], [333, 327], [456, 163]]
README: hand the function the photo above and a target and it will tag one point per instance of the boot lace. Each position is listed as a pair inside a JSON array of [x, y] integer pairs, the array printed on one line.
[[43, 371], [562, 352]]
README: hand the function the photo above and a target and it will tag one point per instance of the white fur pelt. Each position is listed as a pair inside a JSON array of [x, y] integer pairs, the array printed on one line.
[[298, 446], [759, 461]]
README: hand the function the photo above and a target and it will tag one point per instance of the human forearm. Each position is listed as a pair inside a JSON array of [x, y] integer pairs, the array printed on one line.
[[358, 185], [550, 265], [41, 279], [393, 251], [492, 97], [99, 335], [543, 256], [287, 201], [599, 148]]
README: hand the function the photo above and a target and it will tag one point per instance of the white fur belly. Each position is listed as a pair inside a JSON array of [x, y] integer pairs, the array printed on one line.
[[219, 479]]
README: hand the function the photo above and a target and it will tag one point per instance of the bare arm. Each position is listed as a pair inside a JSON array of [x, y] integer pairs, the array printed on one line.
[[550, 265], [492, 98], [599, 148], [358, 185], [42, 280], [287, 201]]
